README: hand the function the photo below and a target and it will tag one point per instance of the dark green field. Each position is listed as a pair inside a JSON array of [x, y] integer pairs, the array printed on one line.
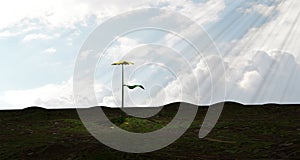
[[242, 132]]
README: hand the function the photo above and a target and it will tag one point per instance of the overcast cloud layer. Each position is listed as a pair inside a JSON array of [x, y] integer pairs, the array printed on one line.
[[258, 41]]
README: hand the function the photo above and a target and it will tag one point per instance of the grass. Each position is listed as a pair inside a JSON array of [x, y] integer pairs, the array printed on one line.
[[242, 132]]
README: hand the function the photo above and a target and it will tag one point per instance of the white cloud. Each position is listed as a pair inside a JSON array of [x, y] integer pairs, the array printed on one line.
[[253, 82], [32, 37], [269, 77], [52, 13], [50, 95], [263, 9], [19, 29], [196, 84], [49, 50], [280, 33], [202, 13], [109, 101], [68, 14], [6, 34], [250, 80], [121, 46], [264, 63], [85, 54], [262, 67]]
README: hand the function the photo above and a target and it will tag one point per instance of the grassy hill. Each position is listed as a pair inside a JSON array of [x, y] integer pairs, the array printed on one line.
[[242, 132]]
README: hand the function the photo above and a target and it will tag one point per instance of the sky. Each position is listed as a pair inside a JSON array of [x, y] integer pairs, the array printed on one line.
[[257, 43]]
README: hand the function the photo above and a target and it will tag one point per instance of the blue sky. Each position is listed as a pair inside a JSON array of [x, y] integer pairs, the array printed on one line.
[[41, 40]]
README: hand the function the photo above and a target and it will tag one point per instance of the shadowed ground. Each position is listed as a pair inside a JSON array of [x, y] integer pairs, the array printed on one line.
[[242, 132]]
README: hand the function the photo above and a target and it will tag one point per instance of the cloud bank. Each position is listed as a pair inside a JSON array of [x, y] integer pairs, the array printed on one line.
[[262, 65]]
